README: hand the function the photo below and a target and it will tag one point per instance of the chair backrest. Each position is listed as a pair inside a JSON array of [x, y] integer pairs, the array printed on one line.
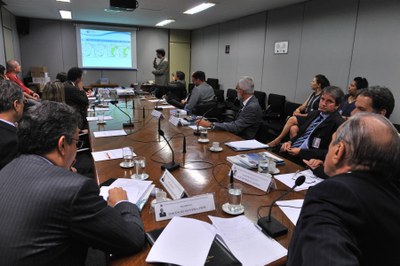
[[190, 87], [276, 103], [219, 94], [231, 95], [200, 109], [262, 98], [214, 83], [290, 107]]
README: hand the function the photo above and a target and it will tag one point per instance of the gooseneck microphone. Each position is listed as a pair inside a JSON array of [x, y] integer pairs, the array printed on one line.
[[197, 131], [156, 107], [172, 165], [268, 223], [127, 124]]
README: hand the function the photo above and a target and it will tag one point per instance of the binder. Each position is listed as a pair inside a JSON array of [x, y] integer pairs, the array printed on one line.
[[218, 255]]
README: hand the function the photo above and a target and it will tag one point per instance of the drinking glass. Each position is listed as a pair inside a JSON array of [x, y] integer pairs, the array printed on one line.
[[140, 164], [127, 154]]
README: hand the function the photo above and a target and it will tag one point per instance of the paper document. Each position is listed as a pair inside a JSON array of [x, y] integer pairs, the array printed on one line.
[[291, 208], [249, 245], [194, 127], [97, 109], [185, 241], [166, 106], [246, 145], [108, 155], [135, 189], [289, 179], [109, 133], [95, 118], [156, 100]]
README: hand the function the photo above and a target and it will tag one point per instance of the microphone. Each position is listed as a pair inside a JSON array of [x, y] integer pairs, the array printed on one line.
[[172, 165], [128, 124], [184, 144], [269, 224], [197, 131], [144, 114]]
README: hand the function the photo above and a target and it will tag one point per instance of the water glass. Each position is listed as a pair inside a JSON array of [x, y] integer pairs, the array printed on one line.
[[127, 154], [100, 117], [140, 164], [235, 197], [203, 136], [215, 145], [272, 166]]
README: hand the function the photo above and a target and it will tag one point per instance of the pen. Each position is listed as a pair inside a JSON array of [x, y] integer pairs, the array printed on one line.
[[108, 155]]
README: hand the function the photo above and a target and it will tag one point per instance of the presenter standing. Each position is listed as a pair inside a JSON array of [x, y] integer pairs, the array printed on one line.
[[161, 68]]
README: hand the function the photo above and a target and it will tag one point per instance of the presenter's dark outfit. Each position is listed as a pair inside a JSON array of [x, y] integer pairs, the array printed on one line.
[[348, 219], [50, 216]]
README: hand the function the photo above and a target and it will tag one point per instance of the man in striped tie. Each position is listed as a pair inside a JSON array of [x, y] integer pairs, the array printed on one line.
[[316, 129]]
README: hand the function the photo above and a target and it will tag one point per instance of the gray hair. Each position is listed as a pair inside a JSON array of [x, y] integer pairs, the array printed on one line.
[[365, 149], [9, 93], [247, 84], [335, 92]]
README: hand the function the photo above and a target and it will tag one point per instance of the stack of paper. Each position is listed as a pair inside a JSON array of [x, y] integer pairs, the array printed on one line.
[[290, 179], [186, 241], [109, 133], [138, 191], [244, 145], [291, 208], [107, 155]]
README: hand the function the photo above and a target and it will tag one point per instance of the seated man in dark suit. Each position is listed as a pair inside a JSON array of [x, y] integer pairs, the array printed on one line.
[[11, 109], [176, 89], [352, 218], [75, 96], [50, 214], [316, 129], [248, 119]]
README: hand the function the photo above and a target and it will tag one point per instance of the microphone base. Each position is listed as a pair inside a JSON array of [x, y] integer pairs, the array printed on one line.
[[128, 124], [273, 228], [170, 166], [158, 109]]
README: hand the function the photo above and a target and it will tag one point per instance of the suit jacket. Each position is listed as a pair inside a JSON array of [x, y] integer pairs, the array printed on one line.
[[8, 143], [161, 72], [51, 216], [323, 131], [349, 219], [247, 122], [78, 100]]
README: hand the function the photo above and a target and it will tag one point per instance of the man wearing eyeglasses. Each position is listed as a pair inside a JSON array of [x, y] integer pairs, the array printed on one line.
[[11, 108], [51, 215]]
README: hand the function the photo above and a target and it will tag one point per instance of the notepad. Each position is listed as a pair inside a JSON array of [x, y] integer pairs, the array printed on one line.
[[109, 133], [244, 145]]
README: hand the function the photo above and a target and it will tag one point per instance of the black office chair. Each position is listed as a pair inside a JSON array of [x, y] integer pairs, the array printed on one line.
[[262, 99], [276, 107], [214, 83], [232, 102]]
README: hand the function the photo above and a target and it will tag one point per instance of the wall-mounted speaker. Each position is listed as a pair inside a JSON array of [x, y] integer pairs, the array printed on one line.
[[22, 25]]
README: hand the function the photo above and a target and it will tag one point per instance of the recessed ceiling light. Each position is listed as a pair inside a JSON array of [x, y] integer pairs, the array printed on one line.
[[199, 8], [65, 1], [165, 22], [65, 14]]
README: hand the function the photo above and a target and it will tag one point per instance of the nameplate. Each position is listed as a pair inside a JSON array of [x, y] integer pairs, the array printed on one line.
[[167, 209], [172, 186], [156, 114], [257, 180], [174, 120]]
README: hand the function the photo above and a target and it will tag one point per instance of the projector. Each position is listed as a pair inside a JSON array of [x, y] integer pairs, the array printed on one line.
[[124, 5]]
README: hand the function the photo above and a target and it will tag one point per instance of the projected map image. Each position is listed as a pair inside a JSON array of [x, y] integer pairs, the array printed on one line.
[[106, 48]]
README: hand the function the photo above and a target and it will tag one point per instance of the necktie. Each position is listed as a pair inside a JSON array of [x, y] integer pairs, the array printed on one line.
[[308, 132]]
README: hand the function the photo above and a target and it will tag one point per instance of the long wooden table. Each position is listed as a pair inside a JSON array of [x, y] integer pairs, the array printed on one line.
[[201, 170]]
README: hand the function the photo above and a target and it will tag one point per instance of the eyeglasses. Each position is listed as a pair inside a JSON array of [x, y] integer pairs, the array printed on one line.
[[79, 143], [310, 179]]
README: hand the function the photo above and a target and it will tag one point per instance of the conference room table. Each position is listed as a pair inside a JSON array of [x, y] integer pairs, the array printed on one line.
[[202, 171]]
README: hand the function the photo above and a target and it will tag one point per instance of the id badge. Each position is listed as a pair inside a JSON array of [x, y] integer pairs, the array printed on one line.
[[316, 142]]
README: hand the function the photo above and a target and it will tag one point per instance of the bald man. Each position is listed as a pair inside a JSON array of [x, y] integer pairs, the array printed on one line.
[[353, 218]]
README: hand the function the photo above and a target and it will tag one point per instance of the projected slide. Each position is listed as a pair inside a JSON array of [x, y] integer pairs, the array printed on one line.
[[106, 49]]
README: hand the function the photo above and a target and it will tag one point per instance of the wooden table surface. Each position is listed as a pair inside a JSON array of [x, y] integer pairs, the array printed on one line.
[[201, 171]]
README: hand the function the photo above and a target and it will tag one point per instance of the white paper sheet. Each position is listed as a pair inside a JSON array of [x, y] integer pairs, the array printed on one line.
[[166, 106], [289, 179], [108, 155], [97, 109], [109, 133], [246, 145], [95, 118], [194, 127], [185, 241], [135, 189], [249, 245], [292, 212]]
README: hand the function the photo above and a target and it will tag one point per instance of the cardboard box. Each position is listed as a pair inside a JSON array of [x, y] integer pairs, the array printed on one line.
[[39, 69], [39, 74], [40, 80]]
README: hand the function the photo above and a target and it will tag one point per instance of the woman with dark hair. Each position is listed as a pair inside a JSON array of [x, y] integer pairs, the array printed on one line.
[[349, 100], [318, 83]]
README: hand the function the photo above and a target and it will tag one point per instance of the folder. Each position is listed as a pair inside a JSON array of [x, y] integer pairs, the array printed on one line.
[[218, 255]]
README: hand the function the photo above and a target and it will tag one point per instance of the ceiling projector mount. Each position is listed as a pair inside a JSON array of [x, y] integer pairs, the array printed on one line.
[[124, 5]]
